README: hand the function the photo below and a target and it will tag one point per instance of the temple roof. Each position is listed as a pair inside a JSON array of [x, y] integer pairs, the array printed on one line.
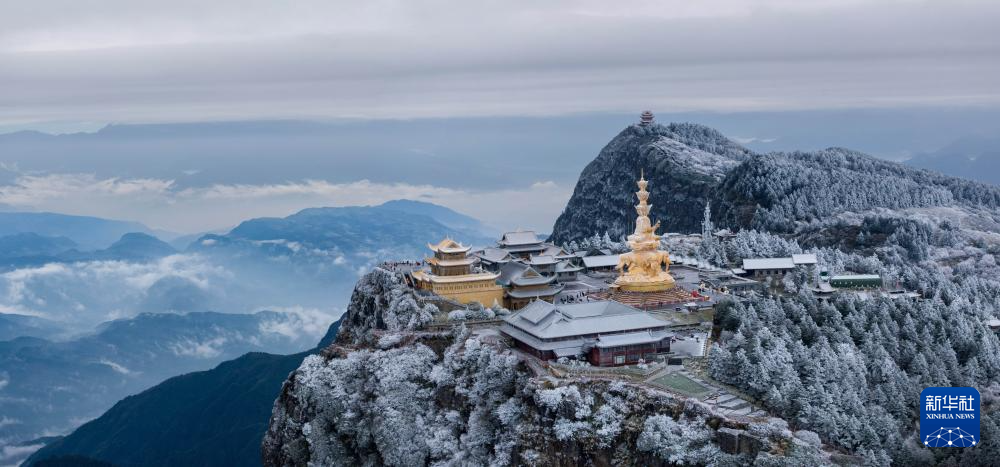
[[566, 266], [751, 264], [632, 338], [548, 321], [806, 258], [542, 260], [600, 261], [530, 277], [520, 237], [448, 246], [467, 261], [493, 255], [553, 250], [539, 292], [520, 274]]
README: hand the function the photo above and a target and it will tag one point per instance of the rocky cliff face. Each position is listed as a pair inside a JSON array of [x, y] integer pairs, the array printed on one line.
[[403, 397], [684, 163]]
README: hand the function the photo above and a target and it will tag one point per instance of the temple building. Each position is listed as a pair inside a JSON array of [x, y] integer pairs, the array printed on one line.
[[454, 274], [524, 284], [606, 333], [522, 243], [645, 268], [646, 118], [524, 246]]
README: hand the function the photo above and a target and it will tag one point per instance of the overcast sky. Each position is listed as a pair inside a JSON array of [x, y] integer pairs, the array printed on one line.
[[69, 65], [123, 61]]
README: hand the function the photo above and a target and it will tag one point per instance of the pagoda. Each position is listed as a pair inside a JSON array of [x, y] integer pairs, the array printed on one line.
[[646, 118], [453, 274], [646, 268]]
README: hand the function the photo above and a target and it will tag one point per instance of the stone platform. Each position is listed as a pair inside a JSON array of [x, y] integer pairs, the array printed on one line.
[[648, 300]]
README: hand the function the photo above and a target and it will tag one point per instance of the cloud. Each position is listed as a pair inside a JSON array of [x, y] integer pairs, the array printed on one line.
[[87, 293], [299, 323], [8, 453], [160, 203], [753, 139], [205, 349], [4, 380], [115, 366], [145, 61]]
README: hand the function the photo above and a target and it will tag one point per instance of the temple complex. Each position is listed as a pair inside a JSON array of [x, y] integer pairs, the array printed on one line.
[[645, 268], [454, 274]]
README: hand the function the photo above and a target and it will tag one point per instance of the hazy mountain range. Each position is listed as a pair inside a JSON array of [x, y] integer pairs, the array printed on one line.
[[972, 157], [159, 305]]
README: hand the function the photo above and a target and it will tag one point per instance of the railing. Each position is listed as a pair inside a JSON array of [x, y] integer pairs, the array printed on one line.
[[441, 326], [582, 370]]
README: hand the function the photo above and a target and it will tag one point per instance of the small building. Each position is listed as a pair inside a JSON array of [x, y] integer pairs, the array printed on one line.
[[492, 258], [453, 274], [723, 234], [856, 281], [600, 263], [522, 243], [524, 285], [607, 333], [994, 325], [761, 268], [567, 270]]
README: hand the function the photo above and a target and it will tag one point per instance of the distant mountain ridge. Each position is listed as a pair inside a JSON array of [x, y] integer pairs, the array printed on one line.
[[213, 417], [31, 250], [91, 233], [973, 157], [363, 231], [48, 384]]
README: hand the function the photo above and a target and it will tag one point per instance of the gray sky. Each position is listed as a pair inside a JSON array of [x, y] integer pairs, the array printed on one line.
[[66, 63], [70, 65]]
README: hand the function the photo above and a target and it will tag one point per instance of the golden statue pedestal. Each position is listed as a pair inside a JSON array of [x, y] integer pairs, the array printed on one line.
[[645, 285]]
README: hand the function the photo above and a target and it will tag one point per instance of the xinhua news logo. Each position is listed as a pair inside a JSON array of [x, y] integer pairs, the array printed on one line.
[[949, 417]]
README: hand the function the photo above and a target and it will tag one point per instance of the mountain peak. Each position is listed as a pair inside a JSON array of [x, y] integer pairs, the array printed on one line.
[[682, 161]]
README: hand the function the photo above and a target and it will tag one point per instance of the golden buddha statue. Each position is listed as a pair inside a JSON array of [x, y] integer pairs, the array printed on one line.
[[645, 268]]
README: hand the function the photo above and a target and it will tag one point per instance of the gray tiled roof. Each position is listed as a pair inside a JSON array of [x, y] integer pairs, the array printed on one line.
[[751, 264], [548, 321], [524, 237], [632, 338], [493, 255], [602, 261], [536, 292]]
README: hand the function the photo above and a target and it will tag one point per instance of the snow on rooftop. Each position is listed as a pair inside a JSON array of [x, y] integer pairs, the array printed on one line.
[[632, 338], [751, 264], [544, 320], [521, 237], [855, 277], [600, 261], [806, 258]]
